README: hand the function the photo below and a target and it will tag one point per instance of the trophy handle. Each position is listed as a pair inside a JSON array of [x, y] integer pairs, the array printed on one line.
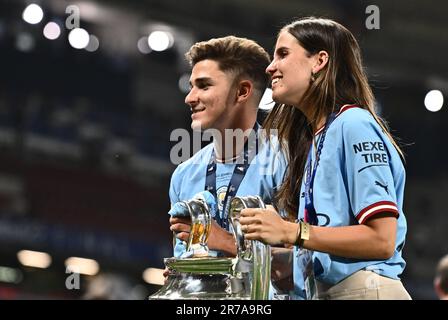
[[254, 257], [200, 226], [244, 247]]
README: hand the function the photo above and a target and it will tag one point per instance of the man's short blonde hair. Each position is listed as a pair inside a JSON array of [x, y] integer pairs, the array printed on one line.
[[244, 57]]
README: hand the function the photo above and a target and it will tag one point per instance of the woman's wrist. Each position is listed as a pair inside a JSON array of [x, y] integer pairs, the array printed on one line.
[[292, 232]]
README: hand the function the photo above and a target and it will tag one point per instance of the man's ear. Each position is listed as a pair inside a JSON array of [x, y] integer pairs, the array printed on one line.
[[244, 90], [321, 61]]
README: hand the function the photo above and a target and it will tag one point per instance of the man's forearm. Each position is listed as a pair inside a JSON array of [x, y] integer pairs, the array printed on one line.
[[224, 242]]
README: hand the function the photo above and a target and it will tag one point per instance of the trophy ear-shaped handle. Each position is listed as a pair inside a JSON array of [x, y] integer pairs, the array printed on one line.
[[236, 205], [200, 225], [244, 247]]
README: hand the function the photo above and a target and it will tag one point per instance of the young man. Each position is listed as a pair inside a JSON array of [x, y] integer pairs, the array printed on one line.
[[227, 82]]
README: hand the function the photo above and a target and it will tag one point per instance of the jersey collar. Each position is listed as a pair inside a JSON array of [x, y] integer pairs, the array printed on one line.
[[345, 107]]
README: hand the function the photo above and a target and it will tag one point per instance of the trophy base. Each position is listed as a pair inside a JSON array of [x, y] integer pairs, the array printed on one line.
[[205, 278]]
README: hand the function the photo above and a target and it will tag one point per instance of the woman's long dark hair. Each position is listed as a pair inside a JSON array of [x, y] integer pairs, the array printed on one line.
[[342, 81]]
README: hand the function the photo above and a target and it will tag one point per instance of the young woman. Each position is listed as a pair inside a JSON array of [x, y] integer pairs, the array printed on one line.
[[345, 179]]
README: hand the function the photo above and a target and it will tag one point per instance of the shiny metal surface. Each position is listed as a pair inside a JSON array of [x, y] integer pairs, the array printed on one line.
[[202, 278], [254, 257], [201, 221], [247, 276]]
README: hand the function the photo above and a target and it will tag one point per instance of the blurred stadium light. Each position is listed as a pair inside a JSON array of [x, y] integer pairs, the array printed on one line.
[[34, 259], [33, 14]]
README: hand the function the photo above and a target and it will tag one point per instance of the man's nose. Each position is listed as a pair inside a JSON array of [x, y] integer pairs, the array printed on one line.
[[191, 98]]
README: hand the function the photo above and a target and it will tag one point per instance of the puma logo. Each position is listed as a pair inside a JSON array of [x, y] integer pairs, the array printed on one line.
[[382, 186]]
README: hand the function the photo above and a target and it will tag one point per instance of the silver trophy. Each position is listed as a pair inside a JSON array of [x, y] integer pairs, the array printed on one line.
[[201, 222], [195, 275], [254, 257]]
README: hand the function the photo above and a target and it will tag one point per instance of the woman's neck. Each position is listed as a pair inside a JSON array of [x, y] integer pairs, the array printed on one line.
[[310, 115], [319, 124]]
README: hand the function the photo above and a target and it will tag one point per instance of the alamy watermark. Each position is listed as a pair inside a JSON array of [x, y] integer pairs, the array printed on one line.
[[373, 20], [73, 280], [226, 145], [74, 17]]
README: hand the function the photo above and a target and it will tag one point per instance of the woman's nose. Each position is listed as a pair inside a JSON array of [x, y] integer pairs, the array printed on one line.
[[271, 68]]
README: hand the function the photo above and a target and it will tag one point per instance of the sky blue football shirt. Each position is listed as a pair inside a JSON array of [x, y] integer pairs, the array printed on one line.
[[359, 175]]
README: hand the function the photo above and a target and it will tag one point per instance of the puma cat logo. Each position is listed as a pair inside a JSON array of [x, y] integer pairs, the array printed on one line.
[[382, 186]]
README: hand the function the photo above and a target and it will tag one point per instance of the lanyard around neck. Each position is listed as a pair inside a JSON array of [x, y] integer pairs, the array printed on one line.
[[237, 177]]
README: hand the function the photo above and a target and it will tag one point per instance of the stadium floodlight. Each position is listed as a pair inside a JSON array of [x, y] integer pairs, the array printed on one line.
[[160, 40], [434, 100], [33, 14], [78, 38]]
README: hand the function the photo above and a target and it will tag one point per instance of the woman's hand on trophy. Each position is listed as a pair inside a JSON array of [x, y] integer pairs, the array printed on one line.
[[267, 226], [181, 227]]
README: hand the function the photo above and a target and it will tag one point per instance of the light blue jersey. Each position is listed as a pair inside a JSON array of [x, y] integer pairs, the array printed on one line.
[[263, 177], [359, 175]]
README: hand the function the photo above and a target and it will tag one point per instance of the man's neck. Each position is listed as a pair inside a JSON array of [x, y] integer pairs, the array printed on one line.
[[229, 142]]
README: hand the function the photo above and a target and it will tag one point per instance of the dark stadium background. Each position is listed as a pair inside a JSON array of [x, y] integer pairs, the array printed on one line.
[[85, 134]]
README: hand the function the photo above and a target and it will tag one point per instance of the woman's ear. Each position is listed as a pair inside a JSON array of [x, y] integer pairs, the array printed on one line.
[[321, 61], [244, 91]]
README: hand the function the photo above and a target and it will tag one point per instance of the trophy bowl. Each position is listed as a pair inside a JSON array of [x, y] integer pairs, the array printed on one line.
[[196, 275]]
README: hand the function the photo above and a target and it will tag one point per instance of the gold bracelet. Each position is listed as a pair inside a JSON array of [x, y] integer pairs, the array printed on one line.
[[304, 231]]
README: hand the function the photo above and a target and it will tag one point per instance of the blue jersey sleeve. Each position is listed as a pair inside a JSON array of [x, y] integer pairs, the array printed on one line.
[[369, 177], [178, 245], [173, 193]]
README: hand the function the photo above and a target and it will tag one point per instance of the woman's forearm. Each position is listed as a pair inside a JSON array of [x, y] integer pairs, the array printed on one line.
[[373, 241]]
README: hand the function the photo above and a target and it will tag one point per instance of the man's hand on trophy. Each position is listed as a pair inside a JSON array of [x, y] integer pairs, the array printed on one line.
[[179, 209], [180, 215], [180, 220], [181, 226]]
